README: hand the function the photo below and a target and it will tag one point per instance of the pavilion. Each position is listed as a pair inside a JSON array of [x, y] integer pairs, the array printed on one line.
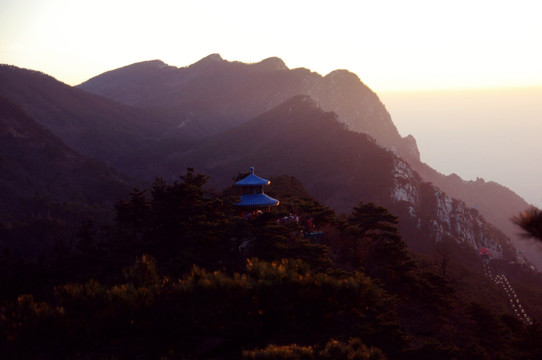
[[253, 198]]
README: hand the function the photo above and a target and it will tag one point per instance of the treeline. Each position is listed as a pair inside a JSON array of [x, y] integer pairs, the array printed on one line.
[[180, 275]]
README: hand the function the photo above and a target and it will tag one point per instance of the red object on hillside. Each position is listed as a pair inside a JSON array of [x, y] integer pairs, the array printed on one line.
[[484, 252]]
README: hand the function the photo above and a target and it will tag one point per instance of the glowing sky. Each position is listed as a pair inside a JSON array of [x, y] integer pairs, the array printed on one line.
[[491, 134], [391, 45]]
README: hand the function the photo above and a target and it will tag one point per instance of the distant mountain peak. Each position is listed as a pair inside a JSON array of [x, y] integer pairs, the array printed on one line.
[[157, 62], [6, 68], [343, 75], [135, 70], [213, 57], [210, 59], [271, 64], [145, 65]]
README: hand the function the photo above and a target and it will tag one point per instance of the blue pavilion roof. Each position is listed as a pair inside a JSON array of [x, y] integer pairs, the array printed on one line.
[[252, 180], [257, 200]]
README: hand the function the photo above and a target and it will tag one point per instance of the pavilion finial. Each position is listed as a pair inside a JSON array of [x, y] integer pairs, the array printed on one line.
[[252, 169]]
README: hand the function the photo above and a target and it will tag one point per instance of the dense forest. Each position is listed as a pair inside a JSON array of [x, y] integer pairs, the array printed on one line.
[[180, 274]]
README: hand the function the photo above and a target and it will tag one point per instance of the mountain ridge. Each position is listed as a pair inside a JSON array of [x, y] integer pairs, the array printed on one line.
[[46, 187], [343, 167], [95, 126], [226, 94], [241, 91], [346, 100]]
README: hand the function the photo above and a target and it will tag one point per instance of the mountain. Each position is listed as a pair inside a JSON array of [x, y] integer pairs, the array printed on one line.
[[187, 242], [128, 138], [156, 114], [497, 203], [341, 167], [44, 181], [213, 95]]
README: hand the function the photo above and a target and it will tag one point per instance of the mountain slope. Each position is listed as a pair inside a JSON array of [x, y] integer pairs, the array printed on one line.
[[497, 203], [340, 168], [128, 138], [217, 94], [29, 151], [43, 180], [222, 94], [288, 140], [213, 94]]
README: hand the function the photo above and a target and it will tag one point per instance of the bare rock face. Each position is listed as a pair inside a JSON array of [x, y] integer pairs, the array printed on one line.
[[439, 217], [409, 148]]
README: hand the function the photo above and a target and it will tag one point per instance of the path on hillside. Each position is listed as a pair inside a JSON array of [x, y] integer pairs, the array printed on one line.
[[513, 298]]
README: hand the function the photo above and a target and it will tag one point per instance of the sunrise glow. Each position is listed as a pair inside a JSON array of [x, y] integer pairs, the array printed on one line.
[[210, 179], [391, 45]]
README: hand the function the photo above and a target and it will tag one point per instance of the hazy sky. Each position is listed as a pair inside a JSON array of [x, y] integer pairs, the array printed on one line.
[[391, 45], [491, 134]]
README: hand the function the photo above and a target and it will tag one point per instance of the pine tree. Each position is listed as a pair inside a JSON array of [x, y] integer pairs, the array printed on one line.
[[530, 221], [188, 223], [386, 255]]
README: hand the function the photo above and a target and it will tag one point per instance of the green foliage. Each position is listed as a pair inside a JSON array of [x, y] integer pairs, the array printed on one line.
[[530, 221], [489, 331], [131, 215], [179, 224], [207, 284], [431, 348], [295, 199], [376, 246], [353, 349], [267, 239], [86, 235], [273, 302], [143, 273], [333, 350], [286, 352]]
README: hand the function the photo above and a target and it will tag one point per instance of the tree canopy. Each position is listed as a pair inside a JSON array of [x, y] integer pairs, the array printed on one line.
[[179, 274]]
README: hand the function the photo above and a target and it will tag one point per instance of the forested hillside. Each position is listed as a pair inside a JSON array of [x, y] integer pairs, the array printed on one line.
[[127, 138], [365, 257], [179, 274], [214, 94], [46, 188], [170, 114]]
